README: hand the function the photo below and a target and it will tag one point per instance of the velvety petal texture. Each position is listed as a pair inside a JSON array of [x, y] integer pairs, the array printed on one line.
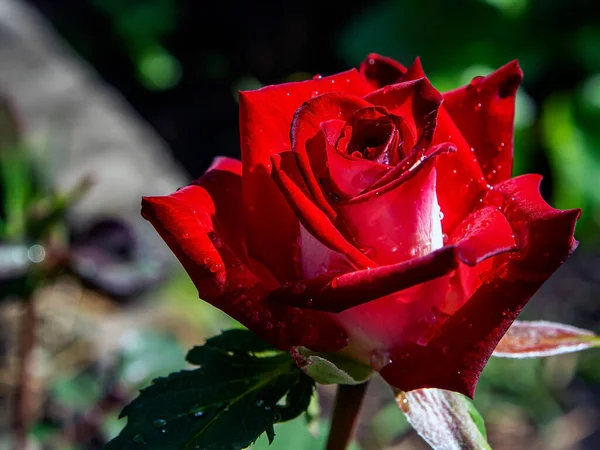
[[374, 216]]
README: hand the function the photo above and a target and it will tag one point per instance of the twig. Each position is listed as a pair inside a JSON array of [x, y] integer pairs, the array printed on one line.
[[22, 401]]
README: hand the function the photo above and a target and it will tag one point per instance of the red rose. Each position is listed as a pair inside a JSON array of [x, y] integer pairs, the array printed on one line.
[[375, 216]]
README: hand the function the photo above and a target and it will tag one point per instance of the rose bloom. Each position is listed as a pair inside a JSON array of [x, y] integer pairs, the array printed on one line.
[[373, 216]]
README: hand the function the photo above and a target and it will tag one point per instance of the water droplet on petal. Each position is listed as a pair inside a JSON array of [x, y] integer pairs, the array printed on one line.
[[159, 423], [298, 288], [379, 359], [317, 77], [441, 215], [444, 238], [476, 80], [478, 107], [500, 147]]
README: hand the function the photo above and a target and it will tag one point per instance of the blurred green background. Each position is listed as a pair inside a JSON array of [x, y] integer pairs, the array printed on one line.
[[179, 63]]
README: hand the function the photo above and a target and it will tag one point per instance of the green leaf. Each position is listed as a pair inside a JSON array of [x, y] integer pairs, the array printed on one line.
[[445, 419], [331, 368], [226, 404]]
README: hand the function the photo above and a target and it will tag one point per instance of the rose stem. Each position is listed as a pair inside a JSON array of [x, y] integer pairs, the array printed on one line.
[[348, 402], [21, 405]]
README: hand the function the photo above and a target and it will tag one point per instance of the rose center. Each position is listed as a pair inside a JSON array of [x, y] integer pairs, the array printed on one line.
[[376, 140]]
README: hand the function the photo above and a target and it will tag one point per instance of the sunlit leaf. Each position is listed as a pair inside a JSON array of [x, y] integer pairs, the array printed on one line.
[[226, 404], [446, 420], [541, 338]]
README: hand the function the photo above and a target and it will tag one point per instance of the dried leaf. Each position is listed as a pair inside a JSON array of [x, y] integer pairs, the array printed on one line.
[[446, 420], [540, 338]]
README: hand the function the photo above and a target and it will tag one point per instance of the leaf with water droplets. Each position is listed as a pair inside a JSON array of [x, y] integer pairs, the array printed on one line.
[[537, 339], [226, 404], [446, 420]]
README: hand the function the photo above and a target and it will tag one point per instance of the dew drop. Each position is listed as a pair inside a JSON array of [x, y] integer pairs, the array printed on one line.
[[476, 80], [159, 423], [216, 240], [196, 411], [402, 401], [315, 93], [500, 147], [317, 77], [298, 288], [206, 261], [444, 238], [334, 197], [379, 359], [259, 403], [139, 439], [215, 267], [478, 107], [371, 61]]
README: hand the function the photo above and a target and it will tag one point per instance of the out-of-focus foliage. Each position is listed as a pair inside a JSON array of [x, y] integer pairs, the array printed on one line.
[[186, 84], [557, 44]]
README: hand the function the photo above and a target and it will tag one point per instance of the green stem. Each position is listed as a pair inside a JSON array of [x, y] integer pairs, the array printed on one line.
[[348, 402]]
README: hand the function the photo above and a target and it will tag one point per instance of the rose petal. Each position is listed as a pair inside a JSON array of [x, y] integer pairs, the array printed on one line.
[[417, 102], [200, 223], [308, 141], [415, 71], [265, 118], [388, 237], [288, 178], [487, 234], [484, 113], [455, 357], [460, 180], [381, 70]]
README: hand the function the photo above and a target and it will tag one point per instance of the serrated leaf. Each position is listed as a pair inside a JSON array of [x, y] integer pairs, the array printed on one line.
[[446, 420], [537, 339], [226, 404], [331, 368]]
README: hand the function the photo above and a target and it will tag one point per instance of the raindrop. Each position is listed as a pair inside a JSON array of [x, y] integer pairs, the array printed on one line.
[[159, 423], [216, 240], [196, 411], [500, 147], [215, 267], [315, 93], [444, 238], [317, 77], [139, 439], [206, 261], [478, 107], [334, 197], [476, 80], [379, 359], [259, 403], [298, 288], [402, 401]]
